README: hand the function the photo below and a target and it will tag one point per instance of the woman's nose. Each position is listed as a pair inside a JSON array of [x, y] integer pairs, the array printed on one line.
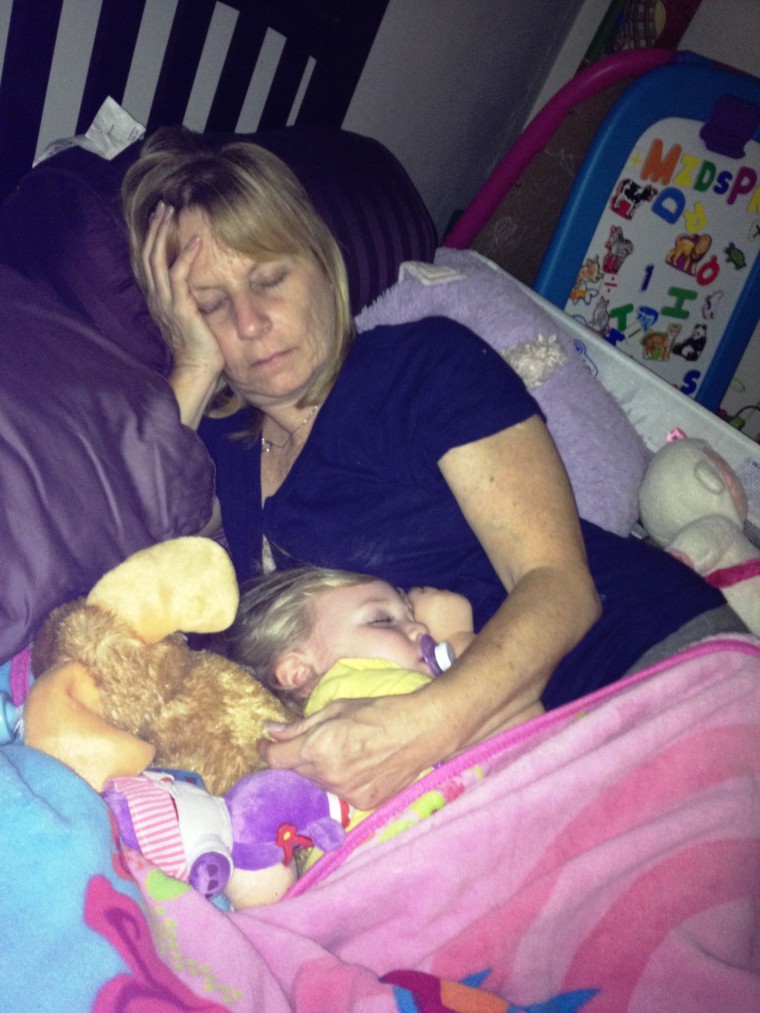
[[250, 317]]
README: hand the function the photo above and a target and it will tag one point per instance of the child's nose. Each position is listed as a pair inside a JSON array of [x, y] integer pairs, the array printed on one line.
[[416, 630]]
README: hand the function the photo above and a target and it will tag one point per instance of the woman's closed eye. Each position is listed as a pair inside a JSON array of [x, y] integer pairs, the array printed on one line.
[[208, 308], [271, 280]]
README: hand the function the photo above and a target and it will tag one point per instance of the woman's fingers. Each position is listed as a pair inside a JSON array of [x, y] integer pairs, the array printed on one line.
[[154, 258], [171, 301], [168, 284], [365, 751], [291, 747], [156, 269]]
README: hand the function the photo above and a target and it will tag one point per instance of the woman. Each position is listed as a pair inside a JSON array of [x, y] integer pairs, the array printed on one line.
[[413, 453]]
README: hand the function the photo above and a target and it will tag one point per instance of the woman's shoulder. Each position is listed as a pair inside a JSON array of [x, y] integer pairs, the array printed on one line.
[[435, 383], [427, 332], [429, 347]]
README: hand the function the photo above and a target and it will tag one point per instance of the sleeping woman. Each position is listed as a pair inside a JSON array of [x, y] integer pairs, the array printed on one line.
[[413, 453]]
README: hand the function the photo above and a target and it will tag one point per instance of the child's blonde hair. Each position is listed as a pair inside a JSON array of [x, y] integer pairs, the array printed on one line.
[[275, 615]]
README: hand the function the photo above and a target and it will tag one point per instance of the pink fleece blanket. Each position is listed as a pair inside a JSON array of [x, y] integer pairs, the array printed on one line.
[[604, 857]]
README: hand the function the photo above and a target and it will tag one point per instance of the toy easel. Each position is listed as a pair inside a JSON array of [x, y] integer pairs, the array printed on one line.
[[657, 247]]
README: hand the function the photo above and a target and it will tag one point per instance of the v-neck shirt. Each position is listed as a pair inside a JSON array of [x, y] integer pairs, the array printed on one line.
[[366, 493]]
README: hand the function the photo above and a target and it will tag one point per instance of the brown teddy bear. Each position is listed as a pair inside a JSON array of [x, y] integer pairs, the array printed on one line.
[[119, 688]]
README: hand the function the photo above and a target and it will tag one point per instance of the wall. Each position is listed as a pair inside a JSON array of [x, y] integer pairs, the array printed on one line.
[[729, 30], [449, 83], [725, 30]]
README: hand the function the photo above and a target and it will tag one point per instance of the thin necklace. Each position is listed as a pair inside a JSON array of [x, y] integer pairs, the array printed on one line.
[[268, 446]]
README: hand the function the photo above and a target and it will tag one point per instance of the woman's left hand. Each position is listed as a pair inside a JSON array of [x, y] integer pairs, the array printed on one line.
[[364, 751]]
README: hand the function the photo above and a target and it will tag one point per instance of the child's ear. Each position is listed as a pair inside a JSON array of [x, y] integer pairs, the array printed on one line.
[[294, 670]]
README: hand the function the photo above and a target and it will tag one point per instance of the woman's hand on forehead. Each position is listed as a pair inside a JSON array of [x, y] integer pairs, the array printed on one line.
[[170, 300]]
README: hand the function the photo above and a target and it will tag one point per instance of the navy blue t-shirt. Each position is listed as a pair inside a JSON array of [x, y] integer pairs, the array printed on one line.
[[366, 494]]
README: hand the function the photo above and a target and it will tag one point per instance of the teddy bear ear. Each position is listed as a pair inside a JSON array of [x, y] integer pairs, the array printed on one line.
[[63, 717], [185, 584]]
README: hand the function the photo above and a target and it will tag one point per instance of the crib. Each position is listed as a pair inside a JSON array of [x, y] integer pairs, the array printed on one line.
[[603, 857]]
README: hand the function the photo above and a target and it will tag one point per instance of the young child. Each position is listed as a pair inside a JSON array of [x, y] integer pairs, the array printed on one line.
[[315, 635], [312, 636]]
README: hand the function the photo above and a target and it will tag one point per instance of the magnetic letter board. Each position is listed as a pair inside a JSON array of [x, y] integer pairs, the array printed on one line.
[[658, 248]]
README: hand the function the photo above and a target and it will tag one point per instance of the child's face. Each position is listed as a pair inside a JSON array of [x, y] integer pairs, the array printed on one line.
[[371, 620]]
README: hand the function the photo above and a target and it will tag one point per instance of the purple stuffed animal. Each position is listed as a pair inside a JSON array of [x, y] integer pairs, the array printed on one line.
[[206, 840]]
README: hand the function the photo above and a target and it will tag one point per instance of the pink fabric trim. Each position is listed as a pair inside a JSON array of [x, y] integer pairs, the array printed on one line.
[[731, 575], [154, 817], [20, 677]]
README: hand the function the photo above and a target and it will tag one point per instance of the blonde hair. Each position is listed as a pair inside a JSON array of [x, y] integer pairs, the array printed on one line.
[[253, 204], [276, 615]]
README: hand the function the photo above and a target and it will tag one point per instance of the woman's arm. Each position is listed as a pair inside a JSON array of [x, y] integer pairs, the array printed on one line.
[[515, 494]]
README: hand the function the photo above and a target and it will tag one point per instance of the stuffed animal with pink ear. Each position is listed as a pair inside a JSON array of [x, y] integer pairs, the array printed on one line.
[[693, 505], [242, 844]]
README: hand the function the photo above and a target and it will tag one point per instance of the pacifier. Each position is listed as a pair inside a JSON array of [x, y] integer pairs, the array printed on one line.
[[437, 657]]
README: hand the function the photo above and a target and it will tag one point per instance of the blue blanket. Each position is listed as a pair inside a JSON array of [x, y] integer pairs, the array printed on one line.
[[74, 935], [48, 885]]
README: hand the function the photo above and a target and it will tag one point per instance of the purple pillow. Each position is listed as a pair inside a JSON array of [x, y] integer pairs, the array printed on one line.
[[94, 463], [63, 226]]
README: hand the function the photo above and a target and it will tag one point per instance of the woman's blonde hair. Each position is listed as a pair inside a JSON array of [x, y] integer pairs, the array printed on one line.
[[253, 204], [276, 615]]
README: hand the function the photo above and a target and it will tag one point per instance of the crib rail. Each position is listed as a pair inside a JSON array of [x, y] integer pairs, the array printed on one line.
[[236, 65]]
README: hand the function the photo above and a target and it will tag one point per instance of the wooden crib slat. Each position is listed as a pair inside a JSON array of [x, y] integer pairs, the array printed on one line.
[[232, 89], [23, 86], [285, 85], [346, 39], [183, 52], [112, 52], [337, 34]]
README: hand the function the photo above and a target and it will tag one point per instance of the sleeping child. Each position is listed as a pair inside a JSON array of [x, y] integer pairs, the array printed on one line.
[[314, 635]]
